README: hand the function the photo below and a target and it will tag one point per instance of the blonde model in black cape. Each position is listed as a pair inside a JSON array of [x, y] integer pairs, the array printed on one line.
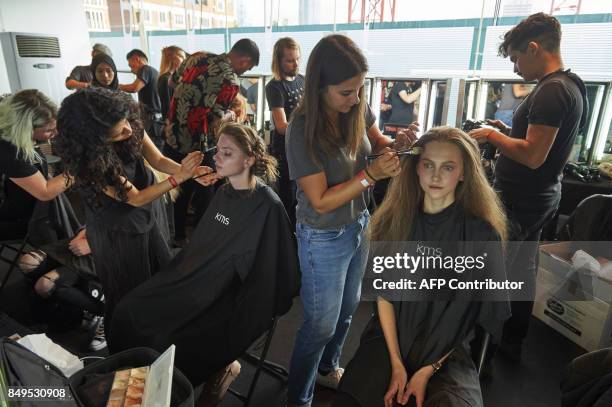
[[442, 196]]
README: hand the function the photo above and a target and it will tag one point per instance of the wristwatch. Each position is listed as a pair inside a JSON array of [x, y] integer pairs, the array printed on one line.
[[364, 180]]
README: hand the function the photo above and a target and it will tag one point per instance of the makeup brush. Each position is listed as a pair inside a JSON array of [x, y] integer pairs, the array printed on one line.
[[406, 151]]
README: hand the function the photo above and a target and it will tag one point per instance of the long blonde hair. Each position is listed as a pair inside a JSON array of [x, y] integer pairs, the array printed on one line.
[[405, 195], [277, 55], [335, 59], [167, 59], [20, 115]]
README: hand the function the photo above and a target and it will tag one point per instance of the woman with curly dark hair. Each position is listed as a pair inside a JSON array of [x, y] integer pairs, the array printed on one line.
[[103, 145]]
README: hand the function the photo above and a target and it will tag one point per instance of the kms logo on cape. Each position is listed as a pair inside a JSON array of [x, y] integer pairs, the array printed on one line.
[[428, 251], [223, 219]]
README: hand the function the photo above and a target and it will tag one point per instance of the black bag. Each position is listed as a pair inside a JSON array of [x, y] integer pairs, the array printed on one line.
[[182, 391], [23, 368]]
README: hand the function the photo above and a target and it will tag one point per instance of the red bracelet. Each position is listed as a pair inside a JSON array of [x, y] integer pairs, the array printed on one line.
[[172, 182]]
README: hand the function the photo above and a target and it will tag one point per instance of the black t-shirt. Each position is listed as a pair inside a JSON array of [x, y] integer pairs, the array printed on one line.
[[148, 94], [559, 100], [401, 112], [18, 204], [285, 94], [165, 93]]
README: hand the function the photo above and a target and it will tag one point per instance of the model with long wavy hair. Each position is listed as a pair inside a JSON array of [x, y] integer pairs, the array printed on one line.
[[440, 204], [405, 191]]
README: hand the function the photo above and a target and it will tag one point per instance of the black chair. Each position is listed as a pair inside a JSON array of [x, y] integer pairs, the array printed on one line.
[[16, 246], [262, 365]]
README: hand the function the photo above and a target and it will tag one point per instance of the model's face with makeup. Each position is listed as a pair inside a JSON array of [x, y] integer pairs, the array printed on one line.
[[230, 160], [440, 169]]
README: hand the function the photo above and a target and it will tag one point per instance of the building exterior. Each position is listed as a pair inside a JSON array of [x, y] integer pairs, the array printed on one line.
[[156, 15], [96, 13]]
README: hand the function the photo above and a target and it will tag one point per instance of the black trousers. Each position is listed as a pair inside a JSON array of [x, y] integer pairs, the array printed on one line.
[[285, 187], [527, 217]]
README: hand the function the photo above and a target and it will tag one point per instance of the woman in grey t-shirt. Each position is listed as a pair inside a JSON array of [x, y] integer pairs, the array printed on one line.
[[331, 133]]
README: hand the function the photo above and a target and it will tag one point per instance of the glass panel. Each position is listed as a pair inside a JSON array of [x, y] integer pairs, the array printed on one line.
[[584, 140], [469, 101], [437, 99], [245, 104], [503, 98], [399, 104]]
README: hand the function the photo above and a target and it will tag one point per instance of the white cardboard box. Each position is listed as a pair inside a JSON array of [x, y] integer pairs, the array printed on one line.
[[577, 305]]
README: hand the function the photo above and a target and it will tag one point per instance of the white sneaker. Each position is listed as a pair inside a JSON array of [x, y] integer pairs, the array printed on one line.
[[99, 340], [330, 380]]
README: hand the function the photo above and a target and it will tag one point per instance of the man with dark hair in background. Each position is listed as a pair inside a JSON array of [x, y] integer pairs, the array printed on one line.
[[146, 86], [533, 153], [80, 77], [205, 86], [283, 94]]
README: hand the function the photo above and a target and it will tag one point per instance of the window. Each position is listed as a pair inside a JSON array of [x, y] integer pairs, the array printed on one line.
[[162, 17], [221, 5], [89, 23], [147, 16], [179, 19]]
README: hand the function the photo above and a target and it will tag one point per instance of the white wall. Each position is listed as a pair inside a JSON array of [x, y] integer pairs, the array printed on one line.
[[64, 19]]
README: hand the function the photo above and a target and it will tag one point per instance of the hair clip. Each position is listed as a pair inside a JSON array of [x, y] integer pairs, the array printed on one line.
[[403, 152]]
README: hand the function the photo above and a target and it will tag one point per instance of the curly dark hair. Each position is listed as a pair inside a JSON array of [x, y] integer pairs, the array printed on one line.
[[84, 122], [540, 27]]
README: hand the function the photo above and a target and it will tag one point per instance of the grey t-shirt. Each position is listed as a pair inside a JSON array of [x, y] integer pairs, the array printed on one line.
[[338, 169]]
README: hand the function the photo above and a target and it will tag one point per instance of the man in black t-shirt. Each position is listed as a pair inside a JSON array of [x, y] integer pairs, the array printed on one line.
[[533, 152], [146, 86], [283, 94]]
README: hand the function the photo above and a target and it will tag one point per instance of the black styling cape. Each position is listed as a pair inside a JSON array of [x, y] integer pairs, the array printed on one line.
[[222, 291], [128, 244], [430, 326], [428, 330]]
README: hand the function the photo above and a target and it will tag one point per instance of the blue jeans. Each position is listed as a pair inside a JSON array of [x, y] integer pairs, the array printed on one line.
[[332, 263]]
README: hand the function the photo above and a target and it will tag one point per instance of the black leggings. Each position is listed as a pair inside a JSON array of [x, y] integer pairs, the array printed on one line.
[[69, 288]]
